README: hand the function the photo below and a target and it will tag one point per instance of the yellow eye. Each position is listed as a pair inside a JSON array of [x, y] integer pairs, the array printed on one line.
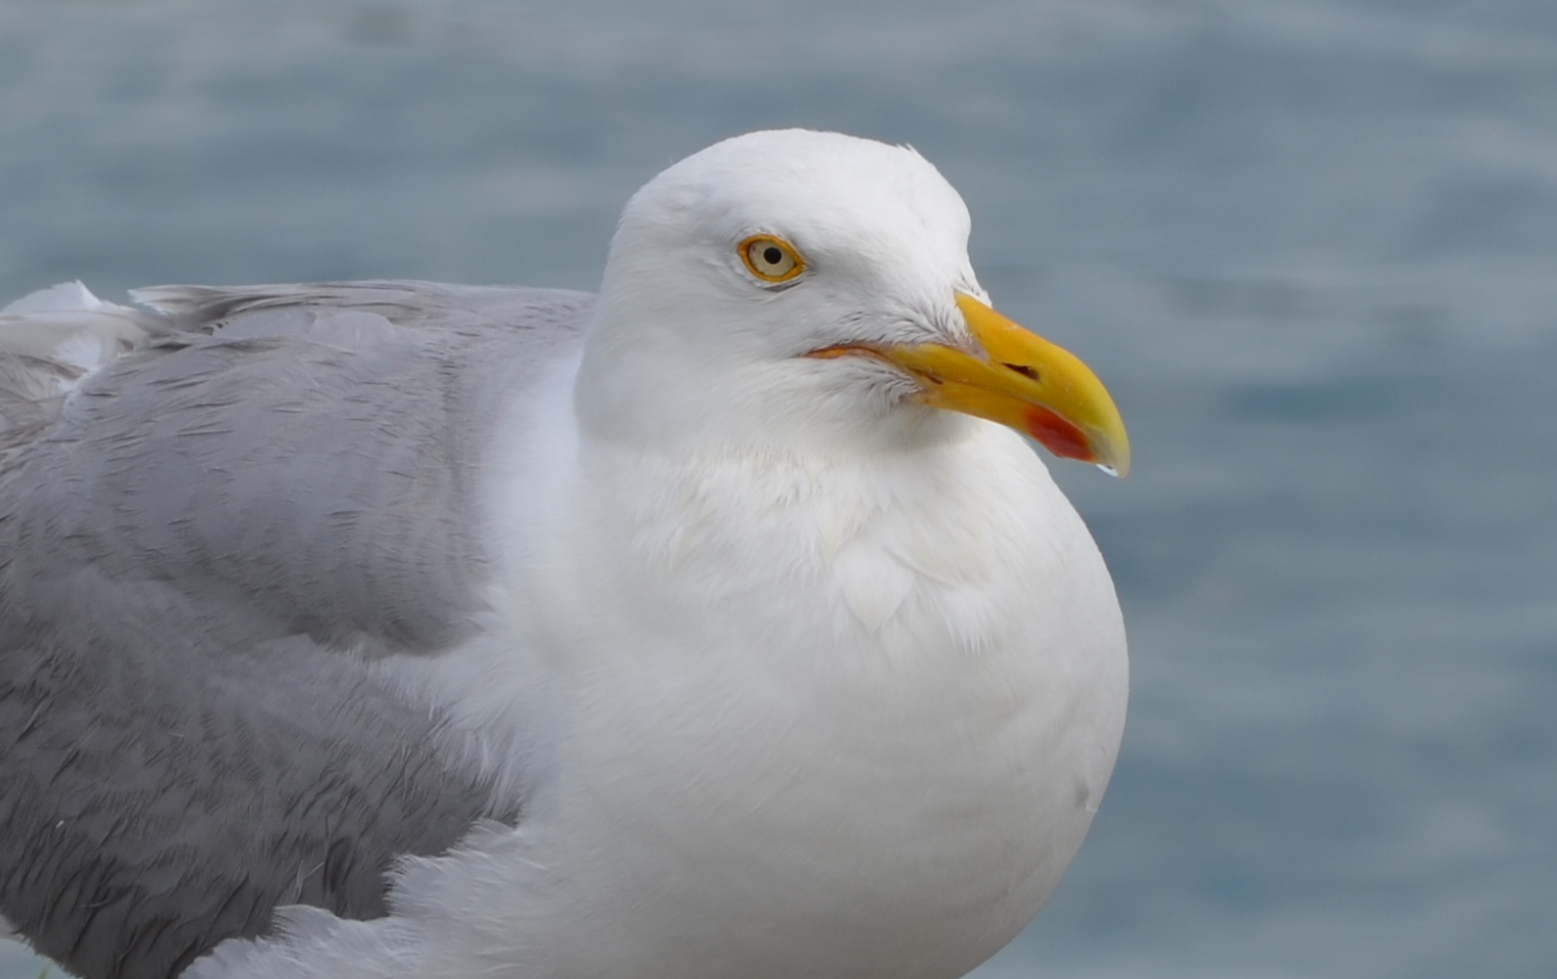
[[771, 259]]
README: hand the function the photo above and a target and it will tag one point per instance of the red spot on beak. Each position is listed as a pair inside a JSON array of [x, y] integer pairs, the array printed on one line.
[[1058, 435]]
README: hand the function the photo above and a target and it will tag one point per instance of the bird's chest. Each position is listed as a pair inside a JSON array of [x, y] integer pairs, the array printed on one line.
[[828, 707], [829, 809]]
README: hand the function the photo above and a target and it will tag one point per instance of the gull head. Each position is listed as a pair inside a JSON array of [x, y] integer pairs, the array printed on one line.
[[798, 291]]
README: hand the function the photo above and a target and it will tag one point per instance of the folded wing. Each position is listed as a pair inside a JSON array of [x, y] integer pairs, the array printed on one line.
[[216, 516]]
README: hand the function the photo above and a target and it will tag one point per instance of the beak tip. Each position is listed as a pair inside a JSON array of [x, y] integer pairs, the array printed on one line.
[[1116, 461], [1105, 447]]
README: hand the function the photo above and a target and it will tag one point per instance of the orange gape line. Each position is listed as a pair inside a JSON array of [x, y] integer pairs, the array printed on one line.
[[1058, 435], [843, 350]]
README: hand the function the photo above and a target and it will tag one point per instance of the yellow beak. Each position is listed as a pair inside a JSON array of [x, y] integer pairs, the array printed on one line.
[[1020, 380]]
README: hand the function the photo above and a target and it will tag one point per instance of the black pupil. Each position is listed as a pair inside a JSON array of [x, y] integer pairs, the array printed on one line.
[[772, 255]]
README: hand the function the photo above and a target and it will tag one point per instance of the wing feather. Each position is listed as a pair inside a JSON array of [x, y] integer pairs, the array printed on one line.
[[205, 542]]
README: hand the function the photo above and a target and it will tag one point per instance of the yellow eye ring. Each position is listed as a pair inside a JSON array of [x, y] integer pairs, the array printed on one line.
[[771, 259]]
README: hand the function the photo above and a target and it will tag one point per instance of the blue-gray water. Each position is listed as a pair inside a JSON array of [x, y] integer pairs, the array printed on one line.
[[1311, 246]]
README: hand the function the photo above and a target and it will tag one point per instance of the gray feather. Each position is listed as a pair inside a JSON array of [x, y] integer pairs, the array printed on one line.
[[201, 549]]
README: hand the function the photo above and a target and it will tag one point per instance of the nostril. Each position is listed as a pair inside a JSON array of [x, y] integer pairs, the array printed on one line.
[[1024, 370]]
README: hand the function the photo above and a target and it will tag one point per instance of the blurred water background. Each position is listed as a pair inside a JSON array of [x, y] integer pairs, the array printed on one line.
[[1310, 245]]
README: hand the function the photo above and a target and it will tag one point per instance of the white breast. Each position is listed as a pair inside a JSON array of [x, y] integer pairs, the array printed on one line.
[[841, 719]]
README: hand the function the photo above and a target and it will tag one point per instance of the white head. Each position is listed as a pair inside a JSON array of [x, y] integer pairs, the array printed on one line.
[[780, 291]]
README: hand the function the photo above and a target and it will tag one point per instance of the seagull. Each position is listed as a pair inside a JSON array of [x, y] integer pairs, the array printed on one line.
[[722, 625]]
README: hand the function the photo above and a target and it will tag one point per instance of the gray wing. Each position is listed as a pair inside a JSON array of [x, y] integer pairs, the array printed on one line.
[[201, 551]]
